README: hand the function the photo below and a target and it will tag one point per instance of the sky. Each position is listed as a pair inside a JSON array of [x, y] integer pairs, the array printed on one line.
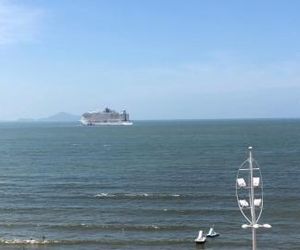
[[170, 59]]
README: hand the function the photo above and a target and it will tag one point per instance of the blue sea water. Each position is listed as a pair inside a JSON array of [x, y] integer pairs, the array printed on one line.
[[152, 185]]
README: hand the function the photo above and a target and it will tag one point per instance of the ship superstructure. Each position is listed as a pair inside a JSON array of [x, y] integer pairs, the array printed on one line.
[[106, 117]]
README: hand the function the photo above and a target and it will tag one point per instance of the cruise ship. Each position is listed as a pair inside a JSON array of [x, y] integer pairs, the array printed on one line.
[[106, 117]]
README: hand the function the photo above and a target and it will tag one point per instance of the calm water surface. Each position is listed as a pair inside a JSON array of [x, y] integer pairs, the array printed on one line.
[[152, 185]]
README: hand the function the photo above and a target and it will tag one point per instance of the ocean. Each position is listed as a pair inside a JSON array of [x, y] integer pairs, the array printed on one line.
[[152, 185]]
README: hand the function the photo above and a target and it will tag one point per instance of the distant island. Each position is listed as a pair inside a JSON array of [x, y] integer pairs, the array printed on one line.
[[59, 117]]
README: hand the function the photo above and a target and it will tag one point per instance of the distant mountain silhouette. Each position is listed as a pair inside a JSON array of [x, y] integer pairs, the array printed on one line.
[[60, 117]]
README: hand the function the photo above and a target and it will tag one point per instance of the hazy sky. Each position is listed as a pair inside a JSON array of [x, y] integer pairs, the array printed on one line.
[[157, 59]]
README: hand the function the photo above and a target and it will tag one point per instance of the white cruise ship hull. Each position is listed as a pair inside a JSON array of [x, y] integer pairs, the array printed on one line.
[[119, 123]]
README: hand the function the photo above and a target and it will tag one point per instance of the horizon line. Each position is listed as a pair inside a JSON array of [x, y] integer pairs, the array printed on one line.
[[40, 120]]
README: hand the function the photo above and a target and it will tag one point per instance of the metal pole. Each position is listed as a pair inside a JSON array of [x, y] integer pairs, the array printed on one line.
[[252, 201]]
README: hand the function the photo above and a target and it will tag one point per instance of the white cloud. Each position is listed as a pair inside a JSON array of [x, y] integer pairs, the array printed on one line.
[[18, 23]]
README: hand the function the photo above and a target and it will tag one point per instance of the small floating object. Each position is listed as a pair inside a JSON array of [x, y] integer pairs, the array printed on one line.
[[212, 233], [201, 238]]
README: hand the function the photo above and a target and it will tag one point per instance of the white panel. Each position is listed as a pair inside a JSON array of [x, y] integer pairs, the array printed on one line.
[[256, 181], [257, 202], [244, 203], [241, 182]]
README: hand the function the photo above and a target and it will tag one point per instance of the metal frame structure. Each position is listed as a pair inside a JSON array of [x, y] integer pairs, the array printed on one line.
[[249, 194]]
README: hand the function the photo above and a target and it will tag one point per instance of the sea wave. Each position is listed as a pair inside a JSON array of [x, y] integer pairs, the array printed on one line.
[[87, 242], [160, 196], [28, 242], [136, 195], [105, 195], [101, 227], [124, 227]]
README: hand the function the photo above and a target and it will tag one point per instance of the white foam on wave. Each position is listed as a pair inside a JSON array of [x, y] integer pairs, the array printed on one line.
[[105, 195], [30, 241], [137, 194]]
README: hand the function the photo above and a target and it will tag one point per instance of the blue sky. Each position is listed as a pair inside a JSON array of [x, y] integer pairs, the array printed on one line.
[[157, 59]]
